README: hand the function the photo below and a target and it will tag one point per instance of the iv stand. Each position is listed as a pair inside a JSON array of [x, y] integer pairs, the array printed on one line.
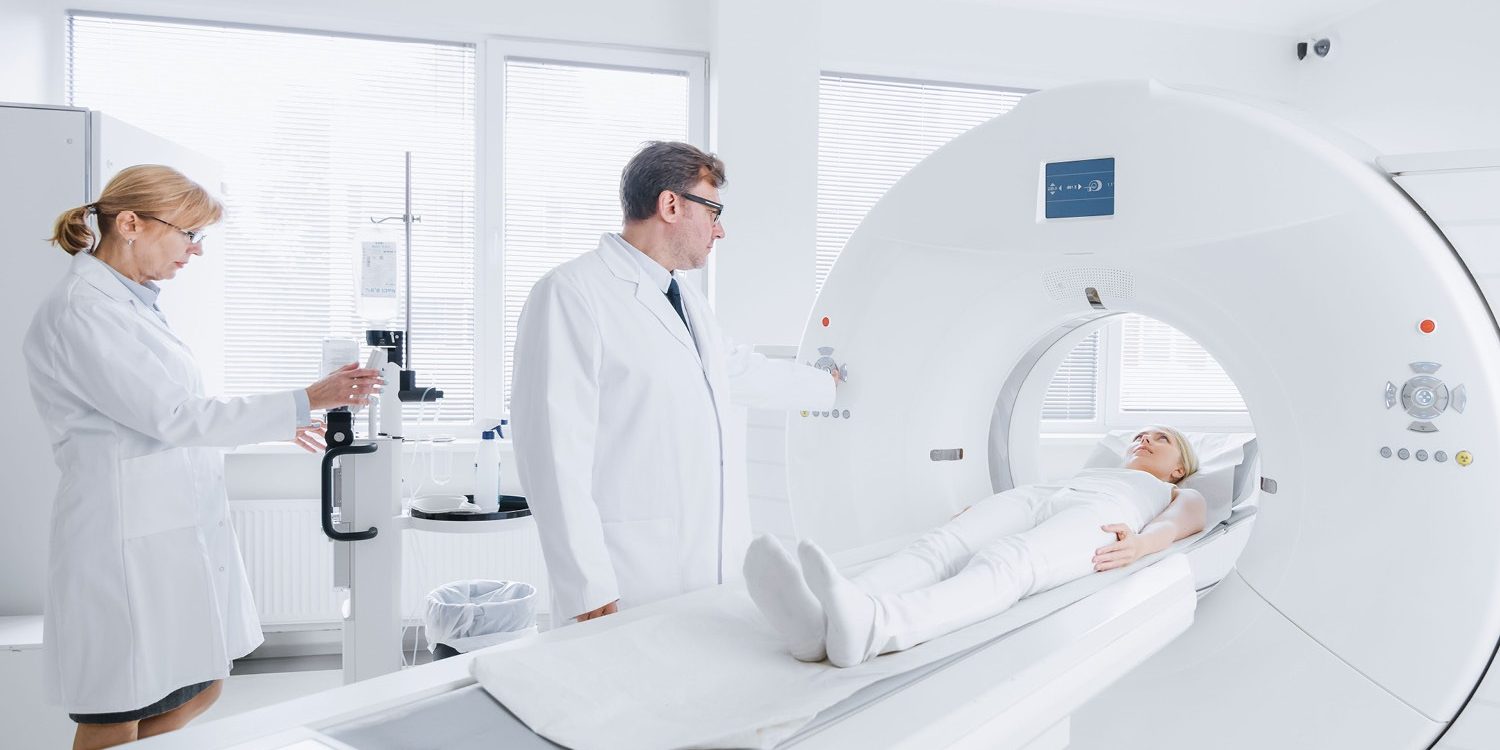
[[408, 385]]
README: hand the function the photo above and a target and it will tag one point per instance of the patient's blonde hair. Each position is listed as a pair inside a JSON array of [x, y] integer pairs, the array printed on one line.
[[147, 189], [1189, 456]]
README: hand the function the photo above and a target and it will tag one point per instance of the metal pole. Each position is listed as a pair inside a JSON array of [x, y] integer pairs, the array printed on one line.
[[406, 219]]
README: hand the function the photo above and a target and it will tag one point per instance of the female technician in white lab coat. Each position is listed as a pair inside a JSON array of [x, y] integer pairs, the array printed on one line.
[[147, 600]]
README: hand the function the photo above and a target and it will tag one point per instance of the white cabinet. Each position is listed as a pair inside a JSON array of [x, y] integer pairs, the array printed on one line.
[[53, 159], [43, 172]]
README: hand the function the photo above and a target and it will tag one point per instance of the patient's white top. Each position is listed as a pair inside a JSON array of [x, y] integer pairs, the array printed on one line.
[[1137, 490]]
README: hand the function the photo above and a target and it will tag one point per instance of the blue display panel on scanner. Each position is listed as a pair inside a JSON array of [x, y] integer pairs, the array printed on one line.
[[1080, 188]]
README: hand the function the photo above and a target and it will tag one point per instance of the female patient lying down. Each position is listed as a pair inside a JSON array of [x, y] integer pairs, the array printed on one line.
[[1014, 544]]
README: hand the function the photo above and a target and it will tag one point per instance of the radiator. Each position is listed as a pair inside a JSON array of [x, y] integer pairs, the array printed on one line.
[[290, 562]]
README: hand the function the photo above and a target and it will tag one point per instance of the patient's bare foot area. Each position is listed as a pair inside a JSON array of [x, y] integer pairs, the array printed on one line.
[[850, 612], [777, 588]]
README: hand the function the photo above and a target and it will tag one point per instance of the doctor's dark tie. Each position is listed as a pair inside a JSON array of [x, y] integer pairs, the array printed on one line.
[[674, 295]]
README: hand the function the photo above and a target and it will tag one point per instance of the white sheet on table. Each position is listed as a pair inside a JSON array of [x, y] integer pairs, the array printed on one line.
[[705, 670]]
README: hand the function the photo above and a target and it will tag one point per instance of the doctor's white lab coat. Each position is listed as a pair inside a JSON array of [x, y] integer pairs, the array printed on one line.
[[146, 592], [619, 418]]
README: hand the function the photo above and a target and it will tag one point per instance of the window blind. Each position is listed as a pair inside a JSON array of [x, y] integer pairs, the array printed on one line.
[[310, 130], [1163, 370], [871, 132], [1072, 394], [568, 132]]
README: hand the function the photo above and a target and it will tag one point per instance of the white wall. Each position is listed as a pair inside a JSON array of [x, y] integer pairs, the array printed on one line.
[[978, 42], [1410, 76], [764, 80], [25, 55]]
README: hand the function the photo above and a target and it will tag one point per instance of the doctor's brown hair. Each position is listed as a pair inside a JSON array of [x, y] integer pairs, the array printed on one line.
[[664, 165], [149, 189]]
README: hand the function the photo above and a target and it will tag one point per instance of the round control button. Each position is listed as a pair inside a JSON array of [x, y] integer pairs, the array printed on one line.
[[1385, 452], [1440, 457], [1421, 455], [1403, 454], [835, 413], [1464, 458], [1424, 397], [846, 414]]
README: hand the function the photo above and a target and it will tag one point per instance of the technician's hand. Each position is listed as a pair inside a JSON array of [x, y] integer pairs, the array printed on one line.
[[349, 385], [310, 438], [1127, 548], [607, 609]]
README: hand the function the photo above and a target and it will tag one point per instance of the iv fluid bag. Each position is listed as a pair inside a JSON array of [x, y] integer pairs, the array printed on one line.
[[377, 281]]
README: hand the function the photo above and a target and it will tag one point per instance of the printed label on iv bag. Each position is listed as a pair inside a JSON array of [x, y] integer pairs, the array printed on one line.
[[377, 276], [377, 282]]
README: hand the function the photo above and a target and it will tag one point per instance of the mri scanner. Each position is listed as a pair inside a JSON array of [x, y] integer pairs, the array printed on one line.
[[1344, 294]]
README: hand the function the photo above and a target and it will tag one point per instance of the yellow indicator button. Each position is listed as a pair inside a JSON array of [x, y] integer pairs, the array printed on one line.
[[804, 412], [1464, 458]]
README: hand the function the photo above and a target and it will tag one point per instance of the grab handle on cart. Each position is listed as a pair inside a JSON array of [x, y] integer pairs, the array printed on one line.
[[335, 534]]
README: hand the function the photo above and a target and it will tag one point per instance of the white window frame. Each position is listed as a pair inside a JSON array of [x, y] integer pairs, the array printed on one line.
[[489, 350]]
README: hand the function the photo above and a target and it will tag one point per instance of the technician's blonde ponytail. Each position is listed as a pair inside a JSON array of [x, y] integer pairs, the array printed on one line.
[[72, 232], [150, 189]]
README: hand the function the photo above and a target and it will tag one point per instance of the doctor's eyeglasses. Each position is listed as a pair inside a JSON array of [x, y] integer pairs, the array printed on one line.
[[715, 206], [193, 238]]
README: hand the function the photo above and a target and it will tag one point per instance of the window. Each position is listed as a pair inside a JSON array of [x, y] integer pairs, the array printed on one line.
[[1136, 369], [1162, 370], [571, 118], [871, 132], [1073, 393], [310, 130]]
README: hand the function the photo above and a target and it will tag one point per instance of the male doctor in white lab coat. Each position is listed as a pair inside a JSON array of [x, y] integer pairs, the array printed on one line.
[[622, 382]]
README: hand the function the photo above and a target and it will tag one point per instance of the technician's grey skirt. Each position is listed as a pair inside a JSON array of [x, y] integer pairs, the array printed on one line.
[[174, 699]]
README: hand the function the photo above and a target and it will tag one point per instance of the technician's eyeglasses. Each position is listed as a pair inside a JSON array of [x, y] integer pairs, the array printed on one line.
[[715, 206], [193, 238]]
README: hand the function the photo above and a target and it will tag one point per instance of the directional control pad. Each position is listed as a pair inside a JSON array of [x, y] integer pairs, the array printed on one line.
[[1425, 397]]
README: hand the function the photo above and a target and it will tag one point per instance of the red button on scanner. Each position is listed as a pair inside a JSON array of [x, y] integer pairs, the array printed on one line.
[[1426, 326]]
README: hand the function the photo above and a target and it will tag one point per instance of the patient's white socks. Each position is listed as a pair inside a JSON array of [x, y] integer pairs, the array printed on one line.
[[850, 612], [777, 588]]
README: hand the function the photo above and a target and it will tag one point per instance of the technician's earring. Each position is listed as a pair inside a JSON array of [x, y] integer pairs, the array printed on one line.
[[130, 243]]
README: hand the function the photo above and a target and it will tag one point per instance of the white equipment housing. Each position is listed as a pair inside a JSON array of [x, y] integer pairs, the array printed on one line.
[[1370, 581]]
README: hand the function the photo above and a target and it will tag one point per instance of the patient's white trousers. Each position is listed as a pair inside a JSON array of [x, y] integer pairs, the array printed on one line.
[[1014, 544]]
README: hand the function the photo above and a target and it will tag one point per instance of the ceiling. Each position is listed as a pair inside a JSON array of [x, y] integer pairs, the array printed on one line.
[[1293, 17]]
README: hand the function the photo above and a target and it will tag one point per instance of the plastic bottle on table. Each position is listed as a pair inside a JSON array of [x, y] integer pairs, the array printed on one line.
[[487, 474]]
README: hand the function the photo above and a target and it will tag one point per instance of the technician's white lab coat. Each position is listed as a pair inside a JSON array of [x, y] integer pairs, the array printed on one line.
[[146, 591], [619, 432]]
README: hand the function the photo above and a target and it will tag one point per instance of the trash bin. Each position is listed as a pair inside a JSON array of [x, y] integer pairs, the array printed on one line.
[[465, 616]]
